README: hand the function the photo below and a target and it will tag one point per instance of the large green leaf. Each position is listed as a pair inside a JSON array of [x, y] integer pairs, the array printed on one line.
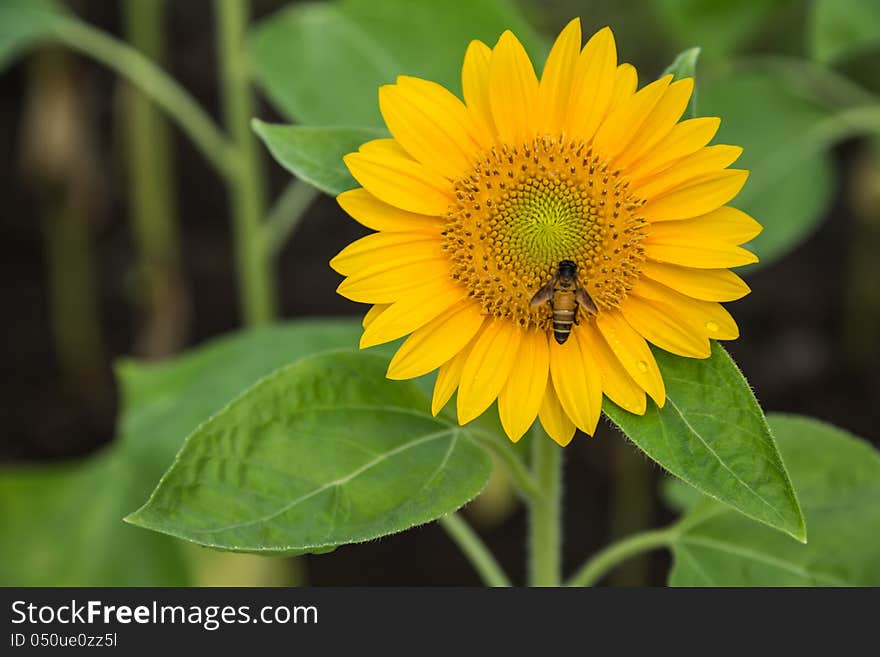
[[837, 477], [315, 154], [62, 524], [712, 434], [790, 184], [843, 28], [24, 24], [324, 452], [322, 63]]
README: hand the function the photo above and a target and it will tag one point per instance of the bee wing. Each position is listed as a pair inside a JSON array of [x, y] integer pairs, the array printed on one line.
[[543, 295], [584, 299]]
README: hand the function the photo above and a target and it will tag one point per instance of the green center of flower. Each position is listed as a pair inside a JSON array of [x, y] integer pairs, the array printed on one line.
[[524, 209]]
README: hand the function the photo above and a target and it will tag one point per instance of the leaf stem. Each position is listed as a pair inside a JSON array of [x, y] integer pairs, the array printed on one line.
[[154, 82], [545, 527], [256, 283], [286, 214], [475, 550], [613, 555], [519, 473]]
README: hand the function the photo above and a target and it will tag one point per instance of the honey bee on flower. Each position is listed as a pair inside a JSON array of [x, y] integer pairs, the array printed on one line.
[[477, 203]]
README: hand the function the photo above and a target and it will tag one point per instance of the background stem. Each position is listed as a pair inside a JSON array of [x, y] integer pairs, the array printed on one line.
[[165, 308], [475, 550], [545, 511], [153, 81], [631, 507], [257, 287]]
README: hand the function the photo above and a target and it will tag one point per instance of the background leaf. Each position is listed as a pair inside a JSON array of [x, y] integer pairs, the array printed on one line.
[[790, 184], [315, 154], [840, 29], [712, 434], [324, 452], [837, 477], [719, 26], [23, 24], [323, 63]]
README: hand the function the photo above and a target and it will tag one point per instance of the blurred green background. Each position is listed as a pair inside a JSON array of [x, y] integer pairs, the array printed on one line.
[[117, 243]]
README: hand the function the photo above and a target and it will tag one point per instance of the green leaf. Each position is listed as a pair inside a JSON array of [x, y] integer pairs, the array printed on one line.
[[685, 66], [790, 181], [322, 63], [840, 29], [837, 477], [24, 24], [324, 452], [62, 526], [315, 154], [712, 434], [720, 26]]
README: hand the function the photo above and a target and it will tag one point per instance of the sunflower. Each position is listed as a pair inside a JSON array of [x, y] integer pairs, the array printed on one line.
[[476, 203]]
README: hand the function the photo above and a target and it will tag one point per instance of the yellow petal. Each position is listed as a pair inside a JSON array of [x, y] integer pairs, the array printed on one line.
[[400, 181], [513, 90], [685, 138], [448, 378], [705, 284], [592, 86], [373, 213], [553, 418], [373, 313], [633, 353], [705, 161], [387, 283], [697, 253], [387, 250], [622, 124], [726, 224], [661, 326], [521, 397], [577, 382], [431, 124], [412, 311], [616, 383], [487, 368], [555, 87], [705, 317], [437, 341], [626, 79], [659, 122], [708, 194], [475, 85]]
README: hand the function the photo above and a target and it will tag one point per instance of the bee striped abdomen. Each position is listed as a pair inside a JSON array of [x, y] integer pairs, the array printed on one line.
[[564, 311]]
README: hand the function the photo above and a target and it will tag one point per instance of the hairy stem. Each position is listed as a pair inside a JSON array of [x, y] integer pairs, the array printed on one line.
[[612, 556], [545, 527], [475, 550]]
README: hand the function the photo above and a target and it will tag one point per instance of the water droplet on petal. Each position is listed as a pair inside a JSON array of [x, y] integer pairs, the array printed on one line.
[[711, 327], [642, 365]]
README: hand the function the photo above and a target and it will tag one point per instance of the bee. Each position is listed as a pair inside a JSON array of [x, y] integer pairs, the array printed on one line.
[[565, 295]]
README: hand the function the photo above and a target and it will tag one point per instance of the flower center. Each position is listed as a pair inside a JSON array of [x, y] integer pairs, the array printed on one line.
[[525, 208]]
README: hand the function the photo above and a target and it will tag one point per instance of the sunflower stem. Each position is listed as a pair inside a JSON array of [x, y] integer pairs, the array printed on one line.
[[475, 550], [597, 566], [545, 511]]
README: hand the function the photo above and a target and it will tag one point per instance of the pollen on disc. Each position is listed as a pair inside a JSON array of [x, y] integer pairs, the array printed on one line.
[[524, 208]]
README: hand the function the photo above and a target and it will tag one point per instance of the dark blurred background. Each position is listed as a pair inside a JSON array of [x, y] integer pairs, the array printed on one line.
[[798, 349]]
